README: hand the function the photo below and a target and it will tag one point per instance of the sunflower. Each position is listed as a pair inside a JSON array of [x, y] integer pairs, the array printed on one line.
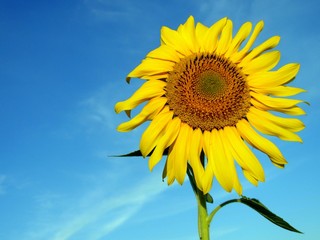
[[209, 93]]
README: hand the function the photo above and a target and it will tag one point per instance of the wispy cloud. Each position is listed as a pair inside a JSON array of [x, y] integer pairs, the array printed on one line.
[[131, 201], [112, 10], [212, 10], [97, 117], [98, 109], [117, 222], [224, 231], [97, 212]]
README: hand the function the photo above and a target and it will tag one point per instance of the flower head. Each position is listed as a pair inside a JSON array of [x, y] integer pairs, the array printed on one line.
[[208, 92]]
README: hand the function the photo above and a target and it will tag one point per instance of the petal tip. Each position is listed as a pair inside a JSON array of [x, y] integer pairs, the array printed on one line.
[[260, 24], [117, 107]]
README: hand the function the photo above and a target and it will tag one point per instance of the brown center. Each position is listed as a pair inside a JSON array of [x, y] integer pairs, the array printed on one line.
[[207, 91]]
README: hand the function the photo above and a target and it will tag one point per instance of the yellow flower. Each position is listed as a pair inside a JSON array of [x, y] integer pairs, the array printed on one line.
[[207, 91]]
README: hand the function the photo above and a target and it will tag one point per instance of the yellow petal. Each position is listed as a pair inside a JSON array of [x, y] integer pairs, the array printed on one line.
[[275, 103], [150, 67], [207, 146], [182, 146], [170, 135], [149, 90], [164, 52], [294, 111], [268, 44], [151, 109], [242, 154], [220, 164], [158, 76], [241, 35], [208, 174], [292, 124], [250, 178], [260, 143], [239, 55], [200, 32], [225, 38], [207, 180], [274, 78], [154, 132], [174, 40], [280, 91], [270, 128], [211, 38], [187, 31], [230, 162], [195, 152], [264, 62]]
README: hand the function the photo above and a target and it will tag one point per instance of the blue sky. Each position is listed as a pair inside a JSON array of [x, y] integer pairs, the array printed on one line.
[[62, 69]]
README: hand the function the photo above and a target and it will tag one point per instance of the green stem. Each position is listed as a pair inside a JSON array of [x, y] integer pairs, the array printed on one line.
[[210, 217], [203, 224], [204, 219]]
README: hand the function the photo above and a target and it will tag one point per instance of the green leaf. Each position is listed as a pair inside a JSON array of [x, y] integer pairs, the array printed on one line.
[[265, 212], [138, 153], [191, 178], [131, 154]]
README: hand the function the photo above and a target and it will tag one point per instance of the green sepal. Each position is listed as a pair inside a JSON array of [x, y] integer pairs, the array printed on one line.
[[265, 212], [209, 198]]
